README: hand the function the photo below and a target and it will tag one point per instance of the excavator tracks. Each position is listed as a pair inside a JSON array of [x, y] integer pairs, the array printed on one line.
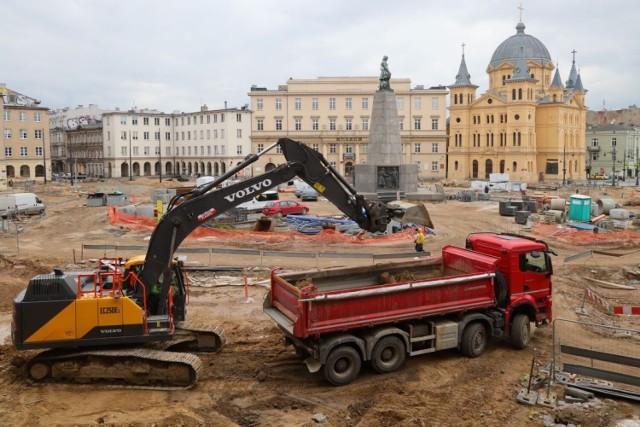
[[133, 368], [160, 365]]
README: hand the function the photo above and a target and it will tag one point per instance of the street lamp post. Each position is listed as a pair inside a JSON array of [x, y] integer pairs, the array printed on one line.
[[564, 165], [44, 158], [613, 157], [130, 160], [160, 152]]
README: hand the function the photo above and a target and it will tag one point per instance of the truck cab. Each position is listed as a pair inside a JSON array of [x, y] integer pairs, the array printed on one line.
[[525, 264]]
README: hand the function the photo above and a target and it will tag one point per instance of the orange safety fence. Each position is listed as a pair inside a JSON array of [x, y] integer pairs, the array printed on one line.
[[327, 236], [580, 237]]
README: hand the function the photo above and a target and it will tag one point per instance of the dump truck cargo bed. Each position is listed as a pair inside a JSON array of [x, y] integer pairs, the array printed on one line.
[[317, 302]]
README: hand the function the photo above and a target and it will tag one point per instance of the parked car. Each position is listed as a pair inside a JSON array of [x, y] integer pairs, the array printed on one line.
[[309, 193], [282, 208], [300, 187]]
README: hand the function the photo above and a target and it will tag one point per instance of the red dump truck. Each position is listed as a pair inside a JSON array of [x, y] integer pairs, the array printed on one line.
[[339, 318]]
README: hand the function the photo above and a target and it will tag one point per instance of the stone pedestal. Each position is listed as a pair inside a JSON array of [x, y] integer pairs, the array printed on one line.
[[384, 174]]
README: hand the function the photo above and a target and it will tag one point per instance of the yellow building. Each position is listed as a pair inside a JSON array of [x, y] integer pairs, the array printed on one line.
[[527, 124], [25, 154], [333, 114]]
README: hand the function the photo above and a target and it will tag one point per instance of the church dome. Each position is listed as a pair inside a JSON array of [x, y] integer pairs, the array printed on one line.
[[509, 50]]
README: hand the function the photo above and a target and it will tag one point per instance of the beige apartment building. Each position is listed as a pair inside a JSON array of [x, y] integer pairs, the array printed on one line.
[[528, 124], [142, 142], [25, 155], [332, 115]]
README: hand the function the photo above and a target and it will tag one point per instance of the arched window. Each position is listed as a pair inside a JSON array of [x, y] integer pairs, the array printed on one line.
[[502, 164], [488, 168]]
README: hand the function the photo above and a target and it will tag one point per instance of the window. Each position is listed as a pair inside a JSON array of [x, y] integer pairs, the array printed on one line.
[[239, 149], [222, 132], [145, 121], [7, 134], [123, 151], [434, 103], [297, 104], [38, 134], [238, 117], [24, 151], [37, 116], [332, 124], [8, 152], [123, 120], [434, 123], [134, 135], [315, 124], [594, 142], [365, 124], [348, 148], [434, 147], [278, 124], [167, 136], [259, 104], [416, 123], [23, 134], [278, 104], [260, 147], [348, 124], [215, 134], [156, 135], [333, 148], [417, 147], [314, 103], [238, 133], [134, 120], [156, 121], [146, 151], [7, 115], [365, 103], [38, 151], [417, 103], [260, 124], [315, 147], [400, 103], [157, 151], [332, 103], [123, 135], [434, 166], [22, 116], [347, 103], [167, 121], [167, 150], [298, 124], [401, 123], [145, 136], [614, 141]]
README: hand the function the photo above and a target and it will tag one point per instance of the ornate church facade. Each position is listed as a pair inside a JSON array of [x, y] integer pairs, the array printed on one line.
[[528, 124]]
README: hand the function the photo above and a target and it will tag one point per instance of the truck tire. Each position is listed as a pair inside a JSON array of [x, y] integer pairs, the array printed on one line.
[[342, 365], [520, 333], [388, 355], [501, 289], [474, 340]]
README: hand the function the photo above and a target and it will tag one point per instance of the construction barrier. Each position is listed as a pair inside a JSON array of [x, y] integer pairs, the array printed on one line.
[[582, 237]]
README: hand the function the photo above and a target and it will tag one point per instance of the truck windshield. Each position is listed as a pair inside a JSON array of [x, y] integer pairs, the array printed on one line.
[[533, 261]]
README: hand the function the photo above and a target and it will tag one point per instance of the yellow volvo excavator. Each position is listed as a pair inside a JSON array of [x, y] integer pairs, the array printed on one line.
[[127, 323]]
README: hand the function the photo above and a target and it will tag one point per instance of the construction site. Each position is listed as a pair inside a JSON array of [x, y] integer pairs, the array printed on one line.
[[581, 369]]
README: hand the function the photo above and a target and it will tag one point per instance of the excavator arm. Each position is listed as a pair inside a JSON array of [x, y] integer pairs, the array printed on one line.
[[207, 201]]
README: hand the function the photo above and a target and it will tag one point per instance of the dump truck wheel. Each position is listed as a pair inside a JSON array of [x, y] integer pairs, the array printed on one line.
[[520, 333], [342, 365], [388, 355], [474, 340]]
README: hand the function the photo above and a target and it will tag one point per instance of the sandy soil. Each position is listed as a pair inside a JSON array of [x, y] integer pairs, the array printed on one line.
[[257, 381]]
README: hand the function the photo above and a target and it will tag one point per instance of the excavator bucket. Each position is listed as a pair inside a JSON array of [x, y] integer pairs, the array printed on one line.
[[410, 213], [417, 214]]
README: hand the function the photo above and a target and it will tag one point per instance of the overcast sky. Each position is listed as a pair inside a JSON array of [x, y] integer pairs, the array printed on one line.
[[177, 55]]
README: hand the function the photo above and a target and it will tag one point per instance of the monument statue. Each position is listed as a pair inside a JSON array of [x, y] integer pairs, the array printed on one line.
[[385, 74]]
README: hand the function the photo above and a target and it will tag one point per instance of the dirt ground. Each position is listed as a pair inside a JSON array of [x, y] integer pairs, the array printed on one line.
[[257, 381]]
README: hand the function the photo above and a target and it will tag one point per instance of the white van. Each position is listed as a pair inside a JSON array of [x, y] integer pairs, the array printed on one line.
[[20, 203], [260, 201]]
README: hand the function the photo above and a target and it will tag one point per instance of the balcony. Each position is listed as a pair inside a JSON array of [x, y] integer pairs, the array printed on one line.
[[348, 156], [593, 149]]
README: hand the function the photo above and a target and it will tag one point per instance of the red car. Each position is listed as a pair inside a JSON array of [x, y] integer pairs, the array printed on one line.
[[282, 208]]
